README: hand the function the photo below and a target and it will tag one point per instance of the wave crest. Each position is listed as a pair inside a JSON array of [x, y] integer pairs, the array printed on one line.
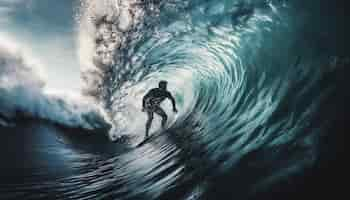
[[23, 95]]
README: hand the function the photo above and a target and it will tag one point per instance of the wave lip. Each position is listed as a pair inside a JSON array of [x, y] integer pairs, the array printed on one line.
[[110, 31]]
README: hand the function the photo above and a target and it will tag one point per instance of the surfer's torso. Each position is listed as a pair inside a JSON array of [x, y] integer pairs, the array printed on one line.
[[155, 96]]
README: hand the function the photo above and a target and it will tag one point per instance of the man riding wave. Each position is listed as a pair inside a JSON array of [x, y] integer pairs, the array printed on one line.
[[151, 104]]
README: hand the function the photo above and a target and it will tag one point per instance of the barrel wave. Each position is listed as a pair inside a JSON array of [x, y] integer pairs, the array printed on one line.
[[249, 79]]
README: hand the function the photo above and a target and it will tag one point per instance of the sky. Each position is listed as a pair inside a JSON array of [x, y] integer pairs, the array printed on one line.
[[47, 30]]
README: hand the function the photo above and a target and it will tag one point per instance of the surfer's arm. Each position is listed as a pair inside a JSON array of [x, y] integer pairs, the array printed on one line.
[[172, 99]]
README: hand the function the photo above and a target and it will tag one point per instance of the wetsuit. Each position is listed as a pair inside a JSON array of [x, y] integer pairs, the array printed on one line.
[[151, 104]]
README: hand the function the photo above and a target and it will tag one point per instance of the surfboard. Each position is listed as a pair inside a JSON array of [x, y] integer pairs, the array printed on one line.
[[149, 138]]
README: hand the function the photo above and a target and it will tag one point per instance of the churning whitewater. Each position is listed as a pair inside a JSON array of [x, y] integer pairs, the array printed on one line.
[[246, 88], [23, 95]]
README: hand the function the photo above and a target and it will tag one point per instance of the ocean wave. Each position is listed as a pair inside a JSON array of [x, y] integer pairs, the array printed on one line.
[[23, 95], [250, 79], [242, 79]]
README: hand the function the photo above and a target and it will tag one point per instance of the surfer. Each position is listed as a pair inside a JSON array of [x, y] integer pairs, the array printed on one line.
[[151, 104]]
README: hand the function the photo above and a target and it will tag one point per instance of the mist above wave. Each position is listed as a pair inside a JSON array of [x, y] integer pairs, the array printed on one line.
[[109, 32]]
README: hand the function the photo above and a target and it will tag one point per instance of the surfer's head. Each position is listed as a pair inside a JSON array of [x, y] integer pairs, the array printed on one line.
[[162, 85]]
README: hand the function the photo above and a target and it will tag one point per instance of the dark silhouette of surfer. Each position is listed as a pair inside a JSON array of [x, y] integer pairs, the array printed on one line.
[[151, 104]]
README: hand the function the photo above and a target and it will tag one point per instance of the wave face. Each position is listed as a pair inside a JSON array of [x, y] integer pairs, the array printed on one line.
[[23, 96]]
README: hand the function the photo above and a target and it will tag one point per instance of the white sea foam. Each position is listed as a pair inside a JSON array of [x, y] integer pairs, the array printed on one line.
[[23, 94]]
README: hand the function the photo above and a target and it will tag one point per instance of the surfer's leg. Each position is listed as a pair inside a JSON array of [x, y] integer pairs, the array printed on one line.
[[161, 113], [149, 121]]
